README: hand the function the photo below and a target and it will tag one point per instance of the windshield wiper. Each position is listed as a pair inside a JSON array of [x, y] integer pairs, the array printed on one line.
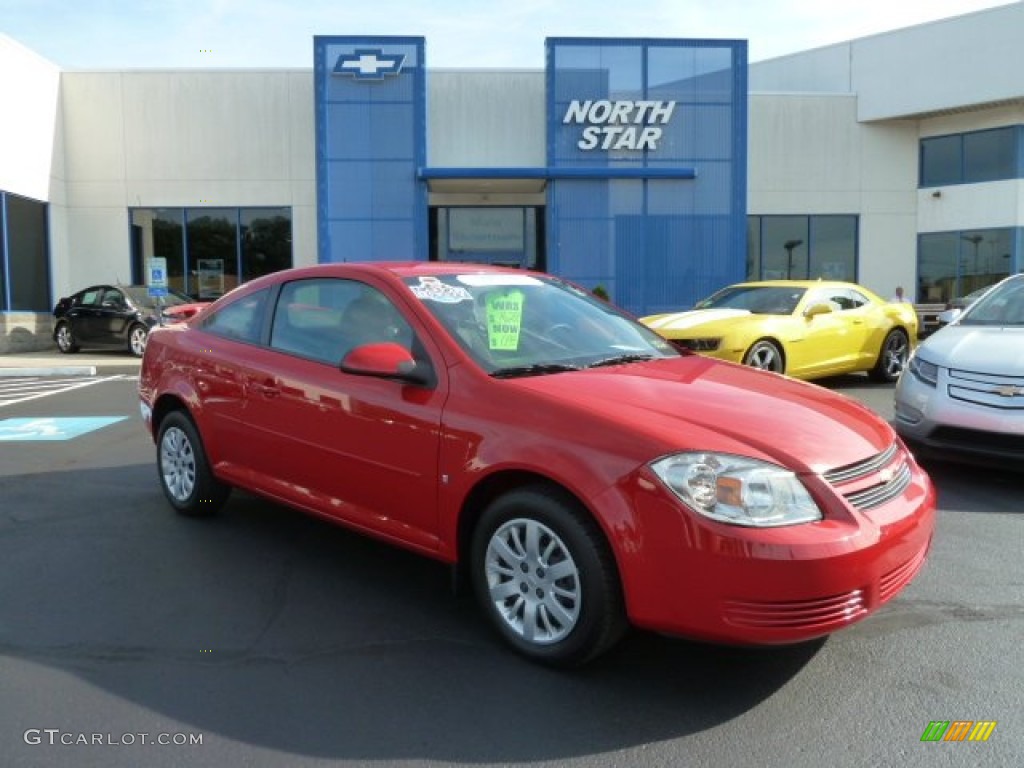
[[533, 370], [619, 359]]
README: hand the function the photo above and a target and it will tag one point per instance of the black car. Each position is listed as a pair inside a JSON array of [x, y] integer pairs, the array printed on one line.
[[116, 316]]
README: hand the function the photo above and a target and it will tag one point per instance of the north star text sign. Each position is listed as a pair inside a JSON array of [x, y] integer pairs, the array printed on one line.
[[619, 125]]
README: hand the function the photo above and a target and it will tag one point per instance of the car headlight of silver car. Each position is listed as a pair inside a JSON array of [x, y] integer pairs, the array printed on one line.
[[737, 489], [923, 370]]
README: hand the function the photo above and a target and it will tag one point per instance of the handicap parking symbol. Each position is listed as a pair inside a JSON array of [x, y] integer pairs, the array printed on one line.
[[52, 428]]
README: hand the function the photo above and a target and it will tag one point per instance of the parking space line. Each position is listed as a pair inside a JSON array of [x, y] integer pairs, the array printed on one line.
[[45, 388]]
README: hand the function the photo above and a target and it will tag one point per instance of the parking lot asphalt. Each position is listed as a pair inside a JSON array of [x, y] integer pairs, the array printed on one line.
[[53, 363]]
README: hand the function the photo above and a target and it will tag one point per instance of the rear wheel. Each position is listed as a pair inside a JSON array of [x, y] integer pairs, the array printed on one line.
[[545, 577], [65, 338], [892, 357], [765, 355], [185, 474], [137, 337]]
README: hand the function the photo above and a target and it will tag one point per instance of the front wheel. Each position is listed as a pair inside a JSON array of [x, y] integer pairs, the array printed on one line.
[[545, 577], [185, 475], [137, 337], [765, 355], [65, 338], [892, 357]]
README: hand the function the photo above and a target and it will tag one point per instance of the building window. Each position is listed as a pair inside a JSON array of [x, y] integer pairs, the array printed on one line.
[[507, 236], [211, 250], [802, 247], [954, 264], [24, 255], [971, 158]]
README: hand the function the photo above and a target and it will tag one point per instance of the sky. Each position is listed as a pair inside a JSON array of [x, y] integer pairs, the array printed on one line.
[[130, 34]]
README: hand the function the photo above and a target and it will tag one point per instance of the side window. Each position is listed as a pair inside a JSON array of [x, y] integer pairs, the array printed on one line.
[[241, 319], [858, 299], [370, 317], [307, 318], [837, 298], [90, 298], [112, 299], [324, 318]]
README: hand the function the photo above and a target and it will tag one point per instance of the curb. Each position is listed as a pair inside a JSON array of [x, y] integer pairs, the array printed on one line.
[[69, 370]]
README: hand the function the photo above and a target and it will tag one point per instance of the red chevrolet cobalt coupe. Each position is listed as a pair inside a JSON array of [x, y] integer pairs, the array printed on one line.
[[583, 473]]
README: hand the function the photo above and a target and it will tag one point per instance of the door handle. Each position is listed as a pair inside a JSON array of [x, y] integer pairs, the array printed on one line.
[[267, 388]]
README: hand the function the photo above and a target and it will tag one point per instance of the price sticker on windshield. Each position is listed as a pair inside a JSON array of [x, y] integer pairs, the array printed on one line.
[[504, 319]]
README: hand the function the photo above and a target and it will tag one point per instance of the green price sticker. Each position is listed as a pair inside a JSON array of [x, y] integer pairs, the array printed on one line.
[[504, 319]]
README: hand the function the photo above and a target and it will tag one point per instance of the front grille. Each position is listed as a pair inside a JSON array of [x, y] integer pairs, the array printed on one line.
[[861, 468], [991, 391], [699, 345], [820, 613], [877, 495], [878, 479]]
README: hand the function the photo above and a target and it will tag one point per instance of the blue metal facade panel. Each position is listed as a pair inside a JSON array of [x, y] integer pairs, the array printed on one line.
[[370, 101], [652, 106]]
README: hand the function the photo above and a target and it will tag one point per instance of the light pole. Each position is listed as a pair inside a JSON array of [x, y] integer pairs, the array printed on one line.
[[789, 245], [974, 240]]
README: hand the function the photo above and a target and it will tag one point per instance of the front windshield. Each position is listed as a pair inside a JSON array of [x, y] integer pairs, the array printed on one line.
[[756, 299], [526, 324], [1003, 305]]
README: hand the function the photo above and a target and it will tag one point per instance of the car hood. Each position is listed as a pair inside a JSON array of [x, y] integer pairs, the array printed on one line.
[[698, 403], [683, 321], [983, 349]]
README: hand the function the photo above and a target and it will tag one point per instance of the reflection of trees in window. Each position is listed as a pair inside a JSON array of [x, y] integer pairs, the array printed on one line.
[[167, 244], [266, 244], [213, 243], [221, 243], [211, 238]]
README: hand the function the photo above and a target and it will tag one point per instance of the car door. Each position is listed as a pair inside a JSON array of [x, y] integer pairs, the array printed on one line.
[[834, 339], [359, 448], [113, 317], [86, 316]]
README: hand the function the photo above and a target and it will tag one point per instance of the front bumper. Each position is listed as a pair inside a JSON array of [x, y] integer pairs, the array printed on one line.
[[689, 576], [954, 427]]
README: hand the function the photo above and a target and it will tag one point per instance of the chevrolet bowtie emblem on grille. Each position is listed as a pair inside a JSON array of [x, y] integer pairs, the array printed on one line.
[[1008, 390], [369, 64]]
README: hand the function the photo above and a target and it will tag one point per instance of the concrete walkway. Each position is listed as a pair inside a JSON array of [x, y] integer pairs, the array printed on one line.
[[53, 363]]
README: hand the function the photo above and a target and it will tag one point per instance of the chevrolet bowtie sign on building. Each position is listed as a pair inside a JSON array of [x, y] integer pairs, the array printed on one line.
[[368, 64]]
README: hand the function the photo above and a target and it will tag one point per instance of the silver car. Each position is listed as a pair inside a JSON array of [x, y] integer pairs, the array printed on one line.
[[961, 395]]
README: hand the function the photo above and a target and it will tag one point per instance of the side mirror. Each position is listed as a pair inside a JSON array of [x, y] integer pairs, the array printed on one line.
[[386, 360], [817, 309]]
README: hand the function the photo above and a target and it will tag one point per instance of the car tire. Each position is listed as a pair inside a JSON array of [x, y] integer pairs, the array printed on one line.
[[137, 337], [545, 577], [184, 471], [65, 338], [766, 356], [892, 357]]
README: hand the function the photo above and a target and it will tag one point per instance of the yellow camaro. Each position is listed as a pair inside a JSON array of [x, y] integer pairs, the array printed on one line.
[[806, 329]]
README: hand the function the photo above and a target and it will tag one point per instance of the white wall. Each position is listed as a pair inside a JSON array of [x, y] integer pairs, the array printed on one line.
[[486, 119], [176, 139], [29, 93], [808, 155], [974, 59]]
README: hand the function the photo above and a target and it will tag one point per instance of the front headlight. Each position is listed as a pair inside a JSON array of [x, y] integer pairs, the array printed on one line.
[[737, 489], [923, 370]]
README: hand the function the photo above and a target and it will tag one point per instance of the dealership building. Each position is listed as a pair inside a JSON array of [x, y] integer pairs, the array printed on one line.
[[659, 169]]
